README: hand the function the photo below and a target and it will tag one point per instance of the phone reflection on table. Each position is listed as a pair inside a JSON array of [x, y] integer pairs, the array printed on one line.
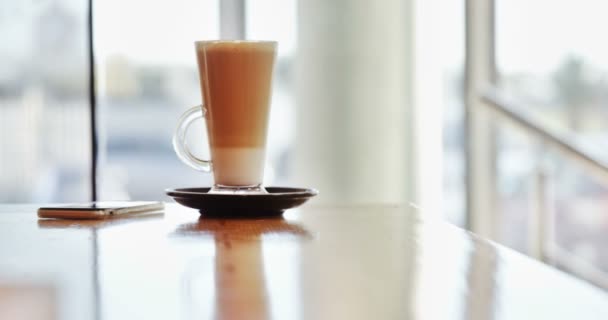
[[28, 301], [93, 227]]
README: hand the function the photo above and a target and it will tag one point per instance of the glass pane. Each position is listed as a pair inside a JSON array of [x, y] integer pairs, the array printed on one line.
[[581, 223], [44, 111], [148, 77], [550, 58], [515, 169], [452, 60], [553, 60], [577, 202]]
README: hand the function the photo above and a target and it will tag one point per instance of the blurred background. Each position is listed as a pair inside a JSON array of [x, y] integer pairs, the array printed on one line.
[[490, 114]]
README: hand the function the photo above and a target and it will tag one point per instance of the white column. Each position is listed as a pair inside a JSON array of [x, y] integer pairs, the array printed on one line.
[[354, 102]]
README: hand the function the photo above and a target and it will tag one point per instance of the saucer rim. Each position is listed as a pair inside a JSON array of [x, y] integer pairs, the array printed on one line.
[[183, 192]]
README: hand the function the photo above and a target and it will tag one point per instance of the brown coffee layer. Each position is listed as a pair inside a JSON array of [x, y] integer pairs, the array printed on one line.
[[236, 81]]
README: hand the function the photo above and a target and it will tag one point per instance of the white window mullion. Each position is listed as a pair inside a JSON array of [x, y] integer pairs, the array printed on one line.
[[480, 131], [232, 19]]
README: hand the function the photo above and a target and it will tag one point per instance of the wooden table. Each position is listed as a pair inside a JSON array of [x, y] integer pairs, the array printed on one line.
[[364, 262]]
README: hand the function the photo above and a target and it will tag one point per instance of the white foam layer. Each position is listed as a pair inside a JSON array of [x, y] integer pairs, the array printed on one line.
[[238, 166]]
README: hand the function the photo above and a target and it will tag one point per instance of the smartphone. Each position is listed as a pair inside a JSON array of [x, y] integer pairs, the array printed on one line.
[[99, 210]]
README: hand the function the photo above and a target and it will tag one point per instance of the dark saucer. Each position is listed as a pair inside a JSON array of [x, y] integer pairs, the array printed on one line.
[[273, 203]]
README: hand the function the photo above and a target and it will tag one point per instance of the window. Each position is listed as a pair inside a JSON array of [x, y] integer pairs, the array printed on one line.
[[323, 132], [549, 59], [147, 78], [44, 126]]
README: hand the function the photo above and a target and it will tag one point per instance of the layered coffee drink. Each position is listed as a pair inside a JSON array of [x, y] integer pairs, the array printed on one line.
[[236, 79]]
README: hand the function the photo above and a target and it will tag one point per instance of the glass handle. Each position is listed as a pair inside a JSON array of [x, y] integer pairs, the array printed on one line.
[[179, 139]]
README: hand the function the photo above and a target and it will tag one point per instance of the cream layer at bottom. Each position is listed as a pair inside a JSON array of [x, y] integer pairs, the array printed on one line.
[[238, 166]]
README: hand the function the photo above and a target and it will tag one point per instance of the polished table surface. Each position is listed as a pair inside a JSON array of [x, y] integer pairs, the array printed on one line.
[[359, 262]]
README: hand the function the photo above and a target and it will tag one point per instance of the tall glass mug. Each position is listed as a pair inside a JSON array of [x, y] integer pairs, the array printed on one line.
[[236, 83]]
